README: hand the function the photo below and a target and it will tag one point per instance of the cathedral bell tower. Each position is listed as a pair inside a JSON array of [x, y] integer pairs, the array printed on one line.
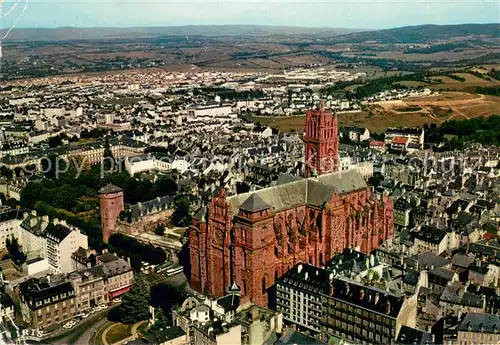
[[321, 142]]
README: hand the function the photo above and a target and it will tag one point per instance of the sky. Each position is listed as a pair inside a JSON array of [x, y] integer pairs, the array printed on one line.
[[362, 14]]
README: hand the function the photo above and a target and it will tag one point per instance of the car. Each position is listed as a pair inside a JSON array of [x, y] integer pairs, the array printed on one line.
[[86, 315], [69, 324]]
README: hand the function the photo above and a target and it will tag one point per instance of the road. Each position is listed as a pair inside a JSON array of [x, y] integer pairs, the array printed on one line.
[[83, 333]]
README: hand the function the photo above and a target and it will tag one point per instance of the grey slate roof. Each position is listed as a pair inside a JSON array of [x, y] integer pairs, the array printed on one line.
[[478, 322], [57, 232], [145, 208], [201, 214], [110, 189], [286, 178], [408, 335], [313, 191], [254, 203], [114, 268]]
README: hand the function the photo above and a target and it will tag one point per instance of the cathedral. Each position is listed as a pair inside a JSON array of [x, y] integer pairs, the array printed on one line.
[[247, 241]]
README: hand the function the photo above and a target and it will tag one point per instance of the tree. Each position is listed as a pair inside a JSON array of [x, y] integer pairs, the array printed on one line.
[[108, 155], [161, 323], [166, 186], [6, 172], [55, 141], [160, 230], [182, 213], [13, 247], [135, 303]]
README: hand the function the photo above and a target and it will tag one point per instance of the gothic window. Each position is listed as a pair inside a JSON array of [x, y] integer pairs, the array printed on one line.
[[276, 275], [310, 259], [300, 216], [289, 222], [244, 288], [264, 285], [311, 215], [321, 259]]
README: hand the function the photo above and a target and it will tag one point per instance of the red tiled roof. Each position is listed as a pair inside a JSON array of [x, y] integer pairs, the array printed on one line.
[[377, 143], [399, 140]]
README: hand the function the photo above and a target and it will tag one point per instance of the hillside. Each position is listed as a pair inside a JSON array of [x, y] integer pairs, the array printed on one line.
[[70, 33], [422, 33]]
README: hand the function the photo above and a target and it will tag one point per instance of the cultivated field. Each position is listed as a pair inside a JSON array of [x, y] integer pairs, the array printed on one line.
[[408, 113]]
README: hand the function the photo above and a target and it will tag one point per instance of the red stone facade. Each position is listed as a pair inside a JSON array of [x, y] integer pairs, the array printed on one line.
[[253, 238], [111, 204], [321, 142]]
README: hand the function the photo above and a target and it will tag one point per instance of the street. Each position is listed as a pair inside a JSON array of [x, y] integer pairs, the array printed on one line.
[[83, 333]]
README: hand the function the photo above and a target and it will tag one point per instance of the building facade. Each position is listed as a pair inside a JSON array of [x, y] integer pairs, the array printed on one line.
[[62, 240], [317, 300], [111, 204], [321, 142], [253, 238], [44, 302]]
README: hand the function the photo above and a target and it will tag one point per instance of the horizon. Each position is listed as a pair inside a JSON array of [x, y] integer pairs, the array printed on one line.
[[245, 25], [359, 15]]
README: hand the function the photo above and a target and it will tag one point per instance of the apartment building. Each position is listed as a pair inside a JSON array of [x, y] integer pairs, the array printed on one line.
[[47, 301], [223, 320], [54, 299], [10, 223], [32, 229], [90, 287], [117, 273], [478, 328], [62, 240], [314, 299], [216, 333]]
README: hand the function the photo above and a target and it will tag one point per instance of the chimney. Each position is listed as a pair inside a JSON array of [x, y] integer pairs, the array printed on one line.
[[128, 260], [388, 307], [306, 276], [33, 222], [45, 218]]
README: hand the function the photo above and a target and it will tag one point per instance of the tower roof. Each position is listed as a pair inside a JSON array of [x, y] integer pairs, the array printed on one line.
[[110, 189], [254, 203]]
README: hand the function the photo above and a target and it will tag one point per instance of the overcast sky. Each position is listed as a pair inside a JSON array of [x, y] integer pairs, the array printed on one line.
[[325, 13]]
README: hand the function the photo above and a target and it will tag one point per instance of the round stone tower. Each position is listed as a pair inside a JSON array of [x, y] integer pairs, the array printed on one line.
[[111, 204]]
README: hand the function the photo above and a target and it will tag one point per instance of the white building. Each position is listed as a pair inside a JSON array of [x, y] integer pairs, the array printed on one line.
[[414, 135], [31, 237], [10, 226], [211, 111], [148, 162], [62, 240]]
